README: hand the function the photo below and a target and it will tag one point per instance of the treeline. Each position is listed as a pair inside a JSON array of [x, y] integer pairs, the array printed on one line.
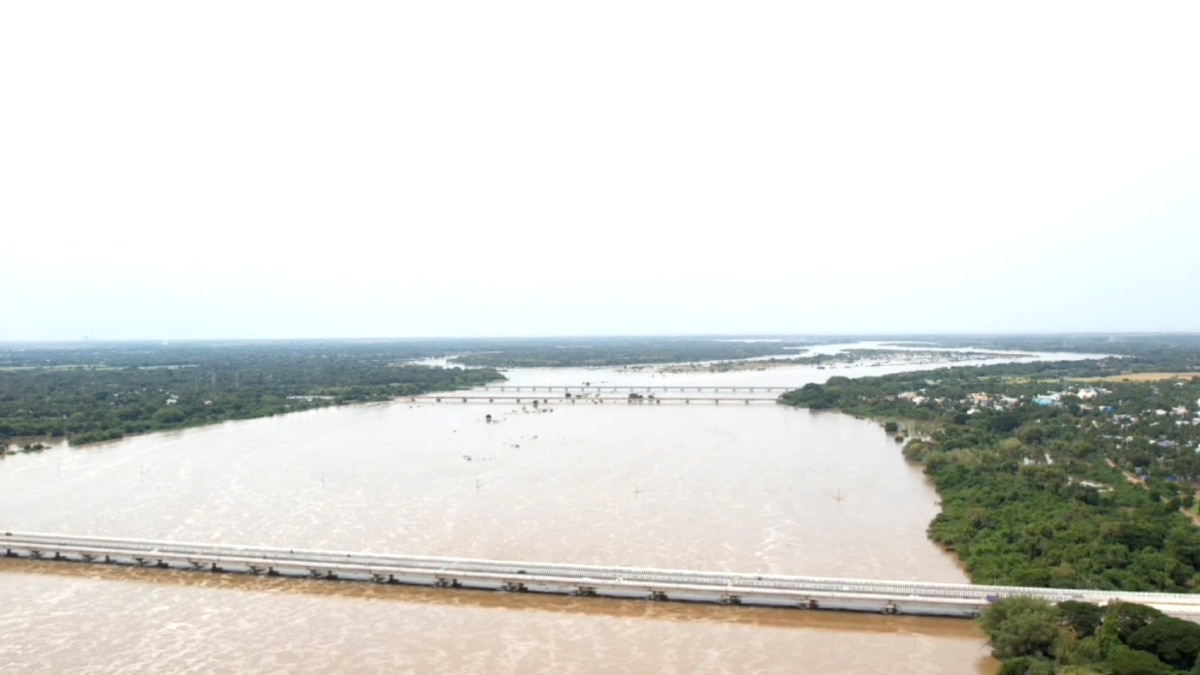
[[144, 354], [104, 393], [1032, 637], [598, 352], [1170, 352], [1040, 524], [1028, 494]]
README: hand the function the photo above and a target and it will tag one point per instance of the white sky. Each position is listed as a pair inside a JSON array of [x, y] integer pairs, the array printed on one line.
[[357, 169]]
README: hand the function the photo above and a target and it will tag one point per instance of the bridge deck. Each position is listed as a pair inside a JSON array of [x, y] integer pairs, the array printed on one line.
[[613, 388], [589, 398], [772, 590]]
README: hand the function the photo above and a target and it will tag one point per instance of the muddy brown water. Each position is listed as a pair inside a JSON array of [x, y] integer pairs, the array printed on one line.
[[756, 488]]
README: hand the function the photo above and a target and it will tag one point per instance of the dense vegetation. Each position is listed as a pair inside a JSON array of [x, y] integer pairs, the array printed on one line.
[[1075, 474], [1032, 637], [596, 352], [1144, 352], [1047, 478], [104, 392]]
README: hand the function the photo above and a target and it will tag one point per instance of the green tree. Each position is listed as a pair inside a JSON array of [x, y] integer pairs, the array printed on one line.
[[1174, 641], [1122, 619], [1122, 660], [1027, 665], [1081, 617], [1022, 626], [1073, 651]]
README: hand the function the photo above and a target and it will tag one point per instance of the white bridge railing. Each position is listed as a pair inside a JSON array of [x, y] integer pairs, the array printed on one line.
[[895, 597]]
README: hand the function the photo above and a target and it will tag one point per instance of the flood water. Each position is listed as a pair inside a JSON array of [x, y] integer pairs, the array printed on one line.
[[758, 488]]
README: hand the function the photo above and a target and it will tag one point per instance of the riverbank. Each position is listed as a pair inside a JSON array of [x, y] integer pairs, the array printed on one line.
[[115, 391], [1027, 496]]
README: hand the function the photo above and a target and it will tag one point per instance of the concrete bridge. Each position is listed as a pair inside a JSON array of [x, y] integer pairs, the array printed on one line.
[[598, 388], [766, 590], [533, 399]]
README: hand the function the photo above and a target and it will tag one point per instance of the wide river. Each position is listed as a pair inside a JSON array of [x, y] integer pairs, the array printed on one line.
[[757, 488]]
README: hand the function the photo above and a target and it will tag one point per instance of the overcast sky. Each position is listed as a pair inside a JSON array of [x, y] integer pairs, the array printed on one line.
[[355, 169]]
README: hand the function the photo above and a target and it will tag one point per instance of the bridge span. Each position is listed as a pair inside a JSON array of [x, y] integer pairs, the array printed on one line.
[[537, 399], [765, 590], [615, 388]]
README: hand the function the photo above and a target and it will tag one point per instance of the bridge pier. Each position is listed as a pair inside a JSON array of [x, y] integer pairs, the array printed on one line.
[[887, 597]]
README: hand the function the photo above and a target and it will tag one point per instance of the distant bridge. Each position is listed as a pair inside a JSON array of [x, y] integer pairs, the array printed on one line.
[[587, 398], [766, 590], [600, 388]]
